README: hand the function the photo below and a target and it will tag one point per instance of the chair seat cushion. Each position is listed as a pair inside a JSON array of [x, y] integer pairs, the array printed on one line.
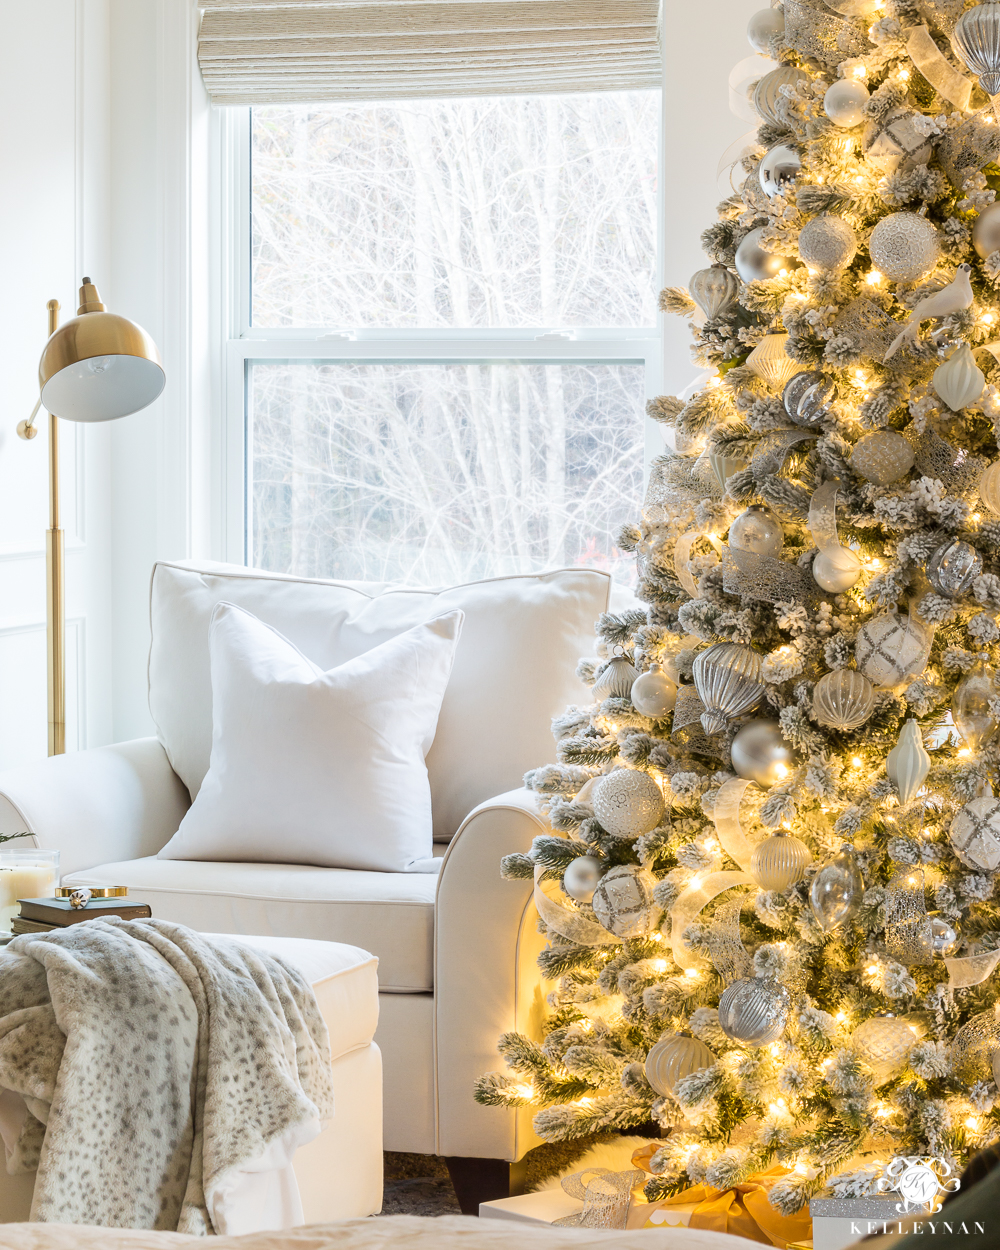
[[390, 914]]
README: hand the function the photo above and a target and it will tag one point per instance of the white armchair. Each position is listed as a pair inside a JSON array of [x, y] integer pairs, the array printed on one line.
[[456, 950]]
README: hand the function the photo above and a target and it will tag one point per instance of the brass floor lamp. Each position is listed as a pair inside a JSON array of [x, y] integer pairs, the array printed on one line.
[[96, 367]]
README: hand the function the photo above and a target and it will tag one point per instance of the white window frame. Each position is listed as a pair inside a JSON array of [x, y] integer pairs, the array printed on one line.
[[244, 345]]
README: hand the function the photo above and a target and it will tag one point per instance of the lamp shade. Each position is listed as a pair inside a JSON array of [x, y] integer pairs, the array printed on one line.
[[99, 366]]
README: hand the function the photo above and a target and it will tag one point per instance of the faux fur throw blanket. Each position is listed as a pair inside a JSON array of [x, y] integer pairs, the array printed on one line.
[[156, 1063]]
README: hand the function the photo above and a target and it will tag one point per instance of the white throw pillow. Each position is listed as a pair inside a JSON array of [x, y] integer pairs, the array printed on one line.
[[313, 767]]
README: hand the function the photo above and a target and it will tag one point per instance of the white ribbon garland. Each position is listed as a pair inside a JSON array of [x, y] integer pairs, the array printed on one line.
[[971, 969], [822, 522], [569, 924], [688, 906], [726, 815], [944, 78]]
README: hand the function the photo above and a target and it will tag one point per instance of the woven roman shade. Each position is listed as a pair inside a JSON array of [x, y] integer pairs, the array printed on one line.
[[283, 51]]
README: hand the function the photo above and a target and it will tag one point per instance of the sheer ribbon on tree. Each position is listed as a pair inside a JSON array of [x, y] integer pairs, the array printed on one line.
[[690, 904], [568, 924]]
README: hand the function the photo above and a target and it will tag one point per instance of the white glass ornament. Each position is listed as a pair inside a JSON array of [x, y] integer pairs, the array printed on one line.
[[724, 466], [986, 231], [753, 1011], [796, 388], [904, 247], [653, 693], [891, 649], [959, 381], [953, 567], [764, 26], [674, 1057], [944, 935], [714, 289], [628, 803], [975, 834], [757, 530], [989, 488], [828, 243], [581, 876], [884, 1043], [728, 679], [976, 39], [615, 682], [843, 699], [778, 169], [623, 901], [882, 457], [970, 705], [760, 753], [974, 1047], [779, 862], [836, 570], [908, 763], [769, 361], [767, 94], [836, 890], [844, 102], [753, 264]]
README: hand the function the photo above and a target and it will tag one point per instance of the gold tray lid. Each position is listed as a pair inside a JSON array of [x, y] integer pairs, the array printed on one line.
[[96, 891]]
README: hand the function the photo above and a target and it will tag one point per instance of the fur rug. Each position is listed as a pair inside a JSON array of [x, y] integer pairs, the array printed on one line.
[[156, 1065]]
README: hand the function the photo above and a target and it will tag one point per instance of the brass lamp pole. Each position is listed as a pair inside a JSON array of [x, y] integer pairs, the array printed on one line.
[[97, 367]]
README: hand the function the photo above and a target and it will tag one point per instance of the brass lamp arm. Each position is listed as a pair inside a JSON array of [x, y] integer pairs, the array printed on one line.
[[28, 429]]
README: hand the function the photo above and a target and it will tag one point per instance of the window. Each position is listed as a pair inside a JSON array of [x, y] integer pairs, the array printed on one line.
[[445, 334]]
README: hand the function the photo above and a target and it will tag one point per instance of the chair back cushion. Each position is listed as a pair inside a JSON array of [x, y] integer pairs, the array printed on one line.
[[514, 666]]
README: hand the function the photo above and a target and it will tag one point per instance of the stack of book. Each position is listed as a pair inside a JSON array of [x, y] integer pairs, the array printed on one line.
[[41, 915]]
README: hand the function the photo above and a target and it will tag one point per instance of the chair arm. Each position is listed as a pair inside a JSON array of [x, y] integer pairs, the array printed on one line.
[[95, 807], [485, 979]]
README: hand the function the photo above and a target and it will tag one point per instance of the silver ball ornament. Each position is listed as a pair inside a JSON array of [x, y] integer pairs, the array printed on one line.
[[753, 1011], [653, 693], [581, 876], [760, 753], [757, 530], [828, 243], [753, 264], [837, 570], [986, 231], [904, 247], [763, 27], [778, 169], [779, 862], [623, 901], [945, 937], [628, 803], [844, 102]]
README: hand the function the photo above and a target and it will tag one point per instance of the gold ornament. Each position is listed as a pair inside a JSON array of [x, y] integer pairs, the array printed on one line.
[[672, 1058], [989, 488], [908, 763], [959, 381], [779, 861], [882, 457], [843, 699], [770, 363]]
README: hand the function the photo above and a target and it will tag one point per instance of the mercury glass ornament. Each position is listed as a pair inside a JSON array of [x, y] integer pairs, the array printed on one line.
[[615, 682], [764, 26], [884, 1043], [757, 530], [816, 402], [953, 567], [989, 488], [836, 891], [959, 381], [844, 102], [904, 247], [728, 679], [724, 466], [944, 935], [970, 705], [976, 39], [796, 387], [843, 699], [986, 231], [779, 862], [828, 243], [623, 901], [836, 570], [882, 457], [628, 803], [653, 693], [753, 1011], [581, 876], [974, 1046], [770, 362], [760, 753], [778, 169], [908, 763], [975, 834], [673, 1057], [714, 289], [753, 264], [890, 649], [767, 94]]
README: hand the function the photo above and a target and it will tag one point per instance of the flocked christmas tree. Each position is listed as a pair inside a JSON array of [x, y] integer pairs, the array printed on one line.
[[769, 894]]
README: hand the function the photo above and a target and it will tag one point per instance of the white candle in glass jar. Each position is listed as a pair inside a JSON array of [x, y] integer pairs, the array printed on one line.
[[24, 881]]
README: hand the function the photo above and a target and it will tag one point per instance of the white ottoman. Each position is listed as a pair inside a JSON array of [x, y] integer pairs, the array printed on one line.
[[339, 1173]]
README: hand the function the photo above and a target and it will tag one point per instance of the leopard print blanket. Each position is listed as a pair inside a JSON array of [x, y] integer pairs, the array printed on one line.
[[156, 1064]]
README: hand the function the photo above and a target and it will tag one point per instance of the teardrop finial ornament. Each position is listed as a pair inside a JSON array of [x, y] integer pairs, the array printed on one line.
[[836, 890], [728, 679], [714, 289], [959, 381], [976, 38], [908, 763], [615, 682], [770, 363]]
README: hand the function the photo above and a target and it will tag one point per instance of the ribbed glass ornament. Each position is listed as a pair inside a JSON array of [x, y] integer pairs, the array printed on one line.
[[836, 890], [779, 861], [767, 93], [628, 803], [959, 381], [970, 705], [753, 1011], [884, 1043], [989, 488], [908, 763], [714, 289], [843, 699], [974, 1047], [672, 1058], [615, 682], [728, 679], [976, 39], [770, 363]]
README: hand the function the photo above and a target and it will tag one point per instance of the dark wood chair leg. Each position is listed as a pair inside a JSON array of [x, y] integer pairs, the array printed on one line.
[[482, 1180]]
